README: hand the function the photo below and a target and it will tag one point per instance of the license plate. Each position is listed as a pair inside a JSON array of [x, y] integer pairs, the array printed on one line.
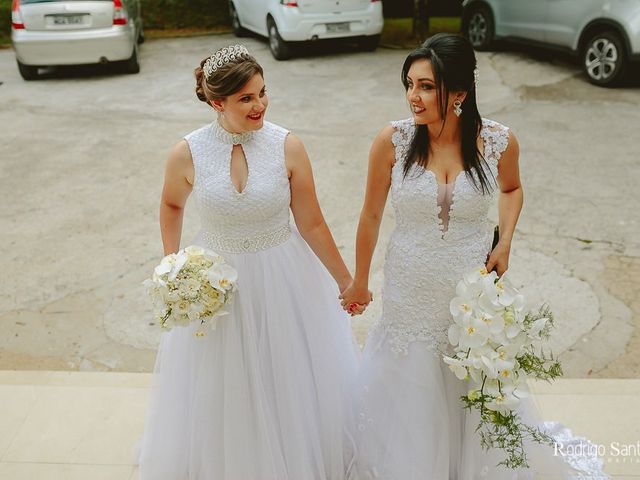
[[67, 19], [338, 27]]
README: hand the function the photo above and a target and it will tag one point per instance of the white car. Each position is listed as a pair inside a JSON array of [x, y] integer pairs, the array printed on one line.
[[285, 21], [70, 32]]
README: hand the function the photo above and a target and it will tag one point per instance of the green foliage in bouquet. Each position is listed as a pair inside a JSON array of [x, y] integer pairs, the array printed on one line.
[[539, 364], [504, 429]]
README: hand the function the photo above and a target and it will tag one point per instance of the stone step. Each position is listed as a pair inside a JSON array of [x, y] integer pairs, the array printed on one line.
[[85, 425]]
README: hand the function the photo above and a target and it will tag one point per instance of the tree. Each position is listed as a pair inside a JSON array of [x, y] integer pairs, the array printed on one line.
[[420, 18]]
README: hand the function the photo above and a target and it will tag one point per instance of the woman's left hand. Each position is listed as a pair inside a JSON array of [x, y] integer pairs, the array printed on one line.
[[499, 259], [355, 298]]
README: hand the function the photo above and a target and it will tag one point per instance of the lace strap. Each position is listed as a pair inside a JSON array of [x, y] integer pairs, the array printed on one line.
[[496, 139], [402, 136], [403, 132]]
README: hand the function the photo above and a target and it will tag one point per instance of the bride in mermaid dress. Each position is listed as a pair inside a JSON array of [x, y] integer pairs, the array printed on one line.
[[265, 396], [443, 168]]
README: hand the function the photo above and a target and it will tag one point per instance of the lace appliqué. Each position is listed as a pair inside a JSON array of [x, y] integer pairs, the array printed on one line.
[[401, 138], [579, 453], [425, 261], [401, 335], [496, 140]]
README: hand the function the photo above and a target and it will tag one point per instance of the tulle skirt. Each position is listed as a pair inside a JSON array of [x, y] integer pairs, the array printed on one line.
[[265, 396], [411, 426]]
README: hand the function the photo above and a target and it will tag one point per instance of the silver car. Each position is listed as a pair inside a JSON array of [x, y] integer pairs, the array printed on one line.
[[605, 34], [71, 32]]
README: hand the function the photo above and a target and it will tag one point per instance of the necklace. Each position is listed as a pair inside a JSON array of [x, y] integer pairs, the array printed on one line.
[[230, 138]]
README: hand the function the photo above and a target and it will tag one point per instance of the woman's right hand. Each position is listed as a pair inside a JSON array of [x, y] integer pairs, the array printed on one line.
[[355, 298]]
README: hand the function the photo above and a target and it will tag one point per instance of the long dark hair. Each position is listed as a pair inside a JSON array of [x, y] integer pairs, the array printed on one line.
[[453, 62]]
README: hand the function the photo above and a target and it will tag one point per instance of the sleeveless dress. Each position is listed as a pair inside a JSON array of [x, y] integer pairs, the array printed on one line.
[[410, 421], [265, 396]]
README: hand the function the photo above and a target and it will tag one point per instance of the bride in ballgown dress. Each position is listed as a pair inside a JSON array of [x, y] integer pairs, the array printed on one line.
[[265, 395], [443, 168]]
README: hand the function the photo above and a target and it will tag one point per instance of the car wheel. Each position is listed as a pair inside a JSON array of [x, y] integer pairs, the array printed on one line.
[[235, 21], [132, 65], [27, 72], [280, 49], [604, 59], [479, 28], [370, 43]]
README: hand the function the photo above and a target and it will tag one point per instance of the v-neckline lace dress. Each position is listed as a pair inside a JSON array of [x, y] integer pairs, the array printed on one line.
[[411, 425], [266, 395]]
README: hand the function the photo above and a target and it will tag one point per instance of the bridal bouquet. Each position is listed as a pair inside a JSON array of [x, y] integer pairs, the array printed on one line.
[[192, 285], [497, 347]]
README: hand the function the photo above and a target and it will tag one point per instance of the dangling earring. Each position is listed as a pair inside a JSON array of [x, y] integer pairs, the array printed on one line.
[[457, 108]]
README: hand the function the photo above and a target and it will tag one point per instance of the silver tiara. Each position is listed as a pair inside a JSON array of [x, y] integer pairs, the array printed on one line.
[[222, 57]]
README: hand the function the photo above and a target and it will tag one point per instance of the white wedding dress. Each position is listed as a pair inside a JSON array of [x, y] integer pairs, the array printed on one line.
[[411, 425], [266, 395]]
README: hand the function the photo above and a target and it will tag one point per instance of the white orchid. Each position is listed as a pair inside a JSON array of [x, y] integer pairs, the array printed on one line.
[[458, 366], [474, 333], [164, 268], [461, 307], [507, 397], [223, 278], [495, 322], [180, 260], [473, 276], [467, 289], [194, 251], [503, 403], [537, 327], [495, 348]]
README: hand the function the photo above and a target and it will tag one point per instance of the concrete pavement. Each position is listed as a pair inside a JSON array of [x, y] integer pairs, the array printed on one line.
[[81, 172]]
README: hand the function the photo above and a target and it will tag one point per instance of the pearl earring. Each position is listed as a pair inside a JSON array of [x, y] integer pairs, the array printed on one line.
[[457, 108]]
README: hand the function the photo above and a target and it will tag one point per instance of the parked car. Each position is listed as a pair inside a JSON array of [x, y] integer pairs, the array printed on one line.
[[284, 22], [69, 32], [605, 34]]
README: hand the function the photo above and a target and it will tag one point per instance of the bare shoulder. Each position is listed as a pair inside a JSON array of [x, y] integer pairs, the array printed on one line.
[[181, 151], [180, 162], [382, 148], [295, 155], [385, 136], [293, 146], [512, 151]]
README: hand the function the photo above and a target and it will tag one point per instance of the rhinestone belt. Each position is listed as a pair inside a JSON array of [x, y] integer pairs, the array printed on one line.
[[221, 243]]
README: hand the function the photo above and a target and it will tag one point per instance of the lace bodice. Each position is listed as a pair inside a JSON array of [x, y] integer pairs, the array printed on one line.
[[426, 257], [257, 218]]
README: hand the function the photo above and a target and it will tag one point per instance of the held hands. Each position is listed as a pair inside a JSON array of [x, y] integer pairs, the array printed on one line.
[[355, 298], [498, 258]]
